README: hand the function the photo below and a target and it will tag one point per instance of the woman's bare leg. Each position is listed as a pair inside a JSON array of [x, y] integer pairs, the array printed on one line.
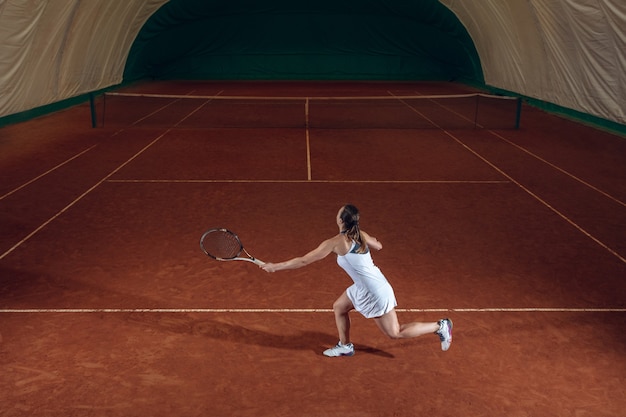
[[390, 326], [342, 307]]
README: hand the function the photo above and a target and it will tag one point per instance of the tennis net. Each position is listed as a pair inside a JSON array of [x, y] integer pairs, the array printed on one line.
[[460, 111]]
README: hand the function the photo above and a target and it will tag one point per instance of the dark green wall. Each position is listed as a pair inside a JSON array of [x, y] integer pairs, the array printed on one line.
[[274, 40]]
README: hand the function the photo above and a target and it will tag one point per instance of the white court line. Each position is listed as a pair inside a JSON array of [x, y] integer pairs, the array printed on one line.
[[561, 170], [305, 310], [308, 140], [80, 197], [443, 107], [539, 199], [47, 172], [77, 199]]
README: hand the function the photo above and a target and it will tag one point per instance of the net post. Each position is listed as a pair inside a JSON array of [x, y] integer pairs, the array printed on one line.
[[306, 113], [476, 110], [92, 106], [104, 107], [518, 113]]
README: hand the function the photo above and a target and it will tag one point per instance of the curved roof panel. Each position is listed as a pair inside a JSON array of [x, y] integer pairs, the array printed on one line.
[[571, 53]]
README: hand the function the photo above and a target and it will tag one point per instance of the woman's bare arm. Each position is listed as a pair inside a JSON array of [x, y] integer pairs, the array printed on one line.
[[324, 249]]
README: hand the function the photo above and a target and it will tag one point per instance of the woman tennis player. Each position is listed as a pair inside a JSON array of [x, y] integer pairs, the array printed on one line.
[[371, 294]]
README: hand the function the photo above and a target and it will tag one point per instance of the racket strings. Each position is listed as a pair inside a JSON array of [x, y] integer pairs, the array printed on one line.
[[221, 244]]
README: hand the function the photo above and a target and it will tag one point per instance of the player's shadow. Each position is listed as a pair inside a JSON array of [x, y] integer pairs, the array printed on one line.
[[304, 340]]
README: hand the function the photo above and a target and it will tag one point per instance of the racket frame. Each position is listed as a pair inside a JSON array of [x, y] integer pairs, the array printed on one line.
[[247, 258]]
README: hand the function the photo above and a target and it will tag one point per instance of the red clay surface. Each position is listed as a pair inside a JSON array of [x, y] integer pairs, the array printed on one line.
[[109, 308]]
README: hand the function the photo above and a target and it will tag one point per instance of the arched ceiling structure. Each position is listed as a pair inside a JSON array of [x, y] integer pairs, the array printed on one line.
[[571, 53], [325, 39]]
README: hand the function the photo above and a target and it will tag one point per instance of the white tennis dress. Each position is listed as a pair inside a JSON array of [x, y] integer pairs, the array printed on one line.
[[371, 294]]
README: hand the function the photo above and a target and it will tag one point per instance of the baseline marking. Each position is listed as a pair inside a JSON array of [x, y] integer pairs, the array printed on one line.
[[305, 310]]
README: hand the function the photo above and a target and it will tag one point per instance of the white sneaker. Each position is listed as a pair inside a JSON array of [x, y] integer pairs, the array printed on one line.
[[445, 333], [340, 350]]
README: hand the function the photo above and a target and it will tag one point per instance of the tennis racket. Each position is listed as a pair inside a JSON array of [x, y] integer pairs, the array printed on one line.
[[224, 245]]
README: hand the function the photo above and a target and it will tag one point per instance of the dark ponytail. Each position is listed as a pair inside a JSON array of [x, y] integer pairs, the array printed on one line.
[[350, 217]]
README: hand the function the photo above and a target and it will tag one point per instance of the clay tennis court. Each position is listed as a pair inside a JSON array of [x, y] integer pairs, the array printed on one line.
[[110, 308]]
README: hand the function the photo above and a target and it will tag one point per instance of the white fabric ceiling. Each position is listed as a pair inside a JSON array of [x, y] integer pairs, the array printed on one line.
[[568, 52]]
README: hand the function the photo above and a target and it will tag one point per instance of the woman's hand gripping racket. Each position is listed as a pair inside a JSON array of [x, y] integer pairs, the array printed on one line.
[[224, 245]]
